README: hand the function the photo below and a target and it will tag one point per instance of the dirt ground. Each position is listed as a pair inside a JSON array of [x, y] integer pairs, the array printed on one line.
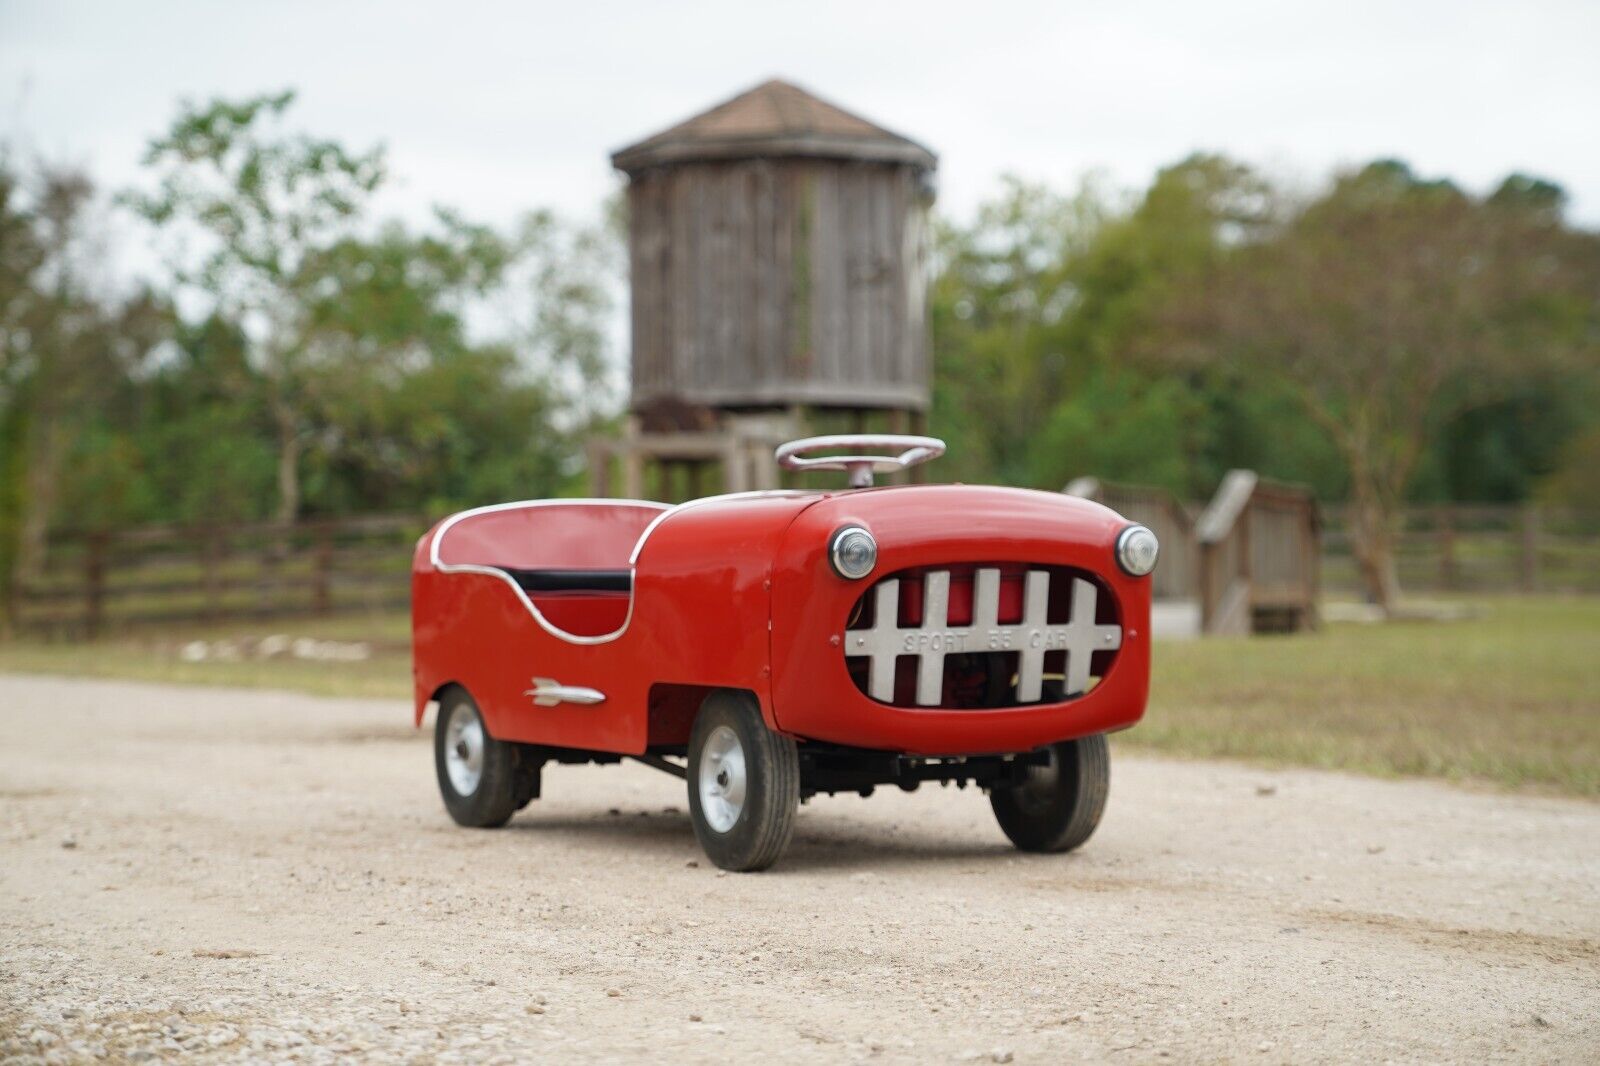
[[246, 875]]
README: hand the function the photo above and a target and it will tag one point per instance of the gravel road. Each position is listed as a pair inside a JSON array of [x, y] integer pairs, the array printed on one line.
[[261, 876]]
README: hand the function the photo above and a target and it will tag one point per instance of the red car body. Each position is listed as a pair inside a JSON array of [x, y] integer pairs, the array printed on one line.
[[600, 625]]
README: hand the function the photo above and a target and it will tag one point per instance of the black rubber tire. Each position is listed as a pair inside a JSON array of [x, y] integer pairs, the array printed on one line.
[[1059, 806], [494, 801], [772, 791]]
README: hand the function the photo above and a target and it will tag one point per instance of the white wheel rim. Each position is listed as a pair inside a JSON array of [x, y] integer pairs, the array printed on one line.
[[463, 749], [722, 779]]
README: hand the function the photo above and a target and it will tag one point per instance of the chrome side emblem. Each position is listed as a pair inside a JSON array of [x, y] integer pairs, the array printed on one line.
[[547, 692]]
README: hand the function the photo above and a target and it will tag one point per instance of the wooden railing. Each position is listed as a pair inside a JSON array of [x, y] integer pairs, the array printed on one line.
[[1255, 558], [1477, 548], [94, 581]]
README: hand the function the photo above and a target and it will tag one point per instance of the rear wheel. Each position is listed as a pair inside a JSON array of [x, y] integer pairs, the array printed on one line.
[[1057, 805], [744, 783], [477, 773]]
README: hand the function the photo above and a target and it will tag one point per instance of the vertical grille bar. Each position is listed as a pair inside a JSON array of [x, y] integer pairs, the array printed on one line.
[[885, 622], [935, 620], [986, 600], [1084, 638], [1035, 607]]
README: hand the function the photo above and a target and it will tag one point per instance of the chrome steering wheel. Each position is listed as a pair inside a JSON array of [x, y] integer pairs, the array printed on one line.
[[796, 455]]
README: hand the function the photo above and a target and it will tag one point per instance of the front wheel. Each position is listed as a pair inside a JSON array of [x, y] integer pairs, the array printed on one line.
[[477, 773], [744, 783], [1057, 805]]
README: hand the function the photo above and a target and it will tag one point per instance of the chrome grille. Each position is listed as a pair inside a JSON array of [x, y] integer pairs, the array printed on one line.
[[1080, 637]]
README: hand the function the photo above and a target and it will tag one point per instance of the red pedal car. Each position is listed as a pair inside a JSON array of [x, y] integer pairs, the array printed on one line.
[[786, 643]]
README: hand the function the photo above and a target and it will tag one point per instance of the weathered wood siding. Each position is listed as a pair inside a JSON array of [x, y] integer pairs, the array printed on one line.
[[779, 282]]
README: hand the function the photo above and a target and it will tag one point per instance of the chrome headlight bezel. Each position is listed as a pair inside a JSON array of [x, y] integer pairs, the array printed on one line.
[[1137, 551], [844, 561]]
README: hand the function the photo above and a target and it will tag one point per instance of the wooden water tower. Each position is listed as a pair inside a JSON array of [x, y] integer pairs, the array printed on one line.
[[778, 254]]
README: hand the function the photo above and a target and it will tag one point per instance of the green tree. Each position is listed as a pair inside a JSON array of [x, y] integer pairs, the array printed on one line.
[[413, 412], [1044, 311], [563, 289], [1000, 303], [269, 209], [1390, 306], [1120, 416], [64, 349]]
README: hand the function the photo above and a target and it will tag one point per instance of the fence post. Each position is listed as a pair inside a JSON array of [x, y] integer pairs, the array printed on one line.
[[1446, 533], [94, 583], [1530, 548], [210, 559], [322, 581], [1314, 561]]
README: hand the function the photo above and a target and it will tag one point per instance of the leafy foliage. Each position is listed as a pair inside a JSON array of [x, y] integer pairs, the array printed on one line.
[[303, 358], [1393, 307], [1387, 338]]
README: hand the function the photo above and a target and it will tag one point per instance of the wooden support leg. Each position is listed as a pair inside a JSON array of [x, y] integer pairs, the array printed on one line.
[[599, 469], [632, 463], [918, 422], [763, 468], [900, 422], [734, 472]]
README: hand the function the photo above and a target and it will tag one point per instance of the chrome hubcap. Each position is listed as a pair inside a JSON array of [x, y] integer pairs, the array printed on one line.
[[722, 779], [463, 749]]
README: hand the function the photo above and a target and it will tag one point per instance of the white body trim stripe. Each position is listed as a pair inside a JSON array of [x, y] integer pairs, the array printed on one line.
[[633, 558]]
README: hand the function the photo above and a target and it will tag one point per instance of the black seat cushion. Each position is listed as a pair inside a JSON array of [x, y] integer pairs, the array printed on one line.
[[572, 580]]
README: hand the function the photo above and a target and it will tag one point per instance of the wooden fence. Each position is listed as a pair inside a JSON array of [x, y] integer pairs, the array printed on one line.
[[104, 580], [1485, 548], [99, 581], [1476, 548]]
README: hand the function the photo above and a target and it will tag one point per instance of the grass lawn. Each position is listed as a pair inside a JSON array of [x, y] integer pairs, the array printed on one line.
[[1509, 697], [157, 655]]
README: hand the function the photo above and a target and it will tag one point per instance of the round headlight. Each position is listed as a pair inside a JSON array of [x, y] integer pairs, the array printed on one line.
[[853, 553], [1137, 549]]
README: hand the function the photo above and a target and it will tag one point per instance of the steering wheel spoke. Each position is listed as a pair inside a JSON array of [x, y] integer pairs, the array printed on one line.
[[908, 451]]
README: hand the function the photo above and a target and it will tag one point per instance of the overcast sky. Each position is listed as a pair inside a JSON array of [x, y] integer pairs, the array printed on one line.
[[500, 107]]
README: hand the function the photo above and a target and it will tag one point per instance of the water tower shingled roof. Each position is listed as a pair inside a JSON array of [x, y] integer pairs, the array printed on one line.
[[773, 119]]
